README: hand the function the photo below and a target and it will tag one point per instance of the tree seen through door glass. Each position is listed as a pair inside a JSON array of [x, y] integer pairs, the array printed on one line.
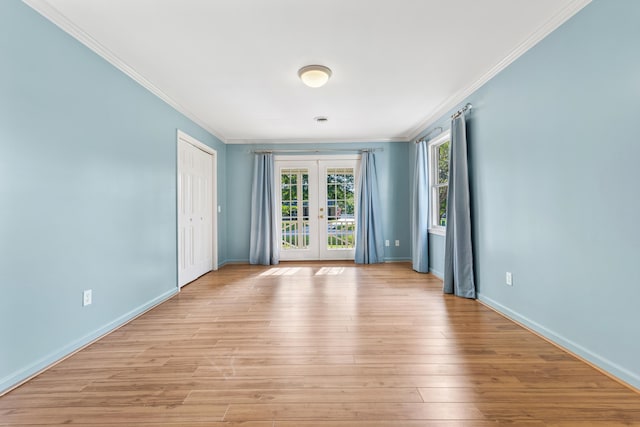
[[294, 196], [340, 208]]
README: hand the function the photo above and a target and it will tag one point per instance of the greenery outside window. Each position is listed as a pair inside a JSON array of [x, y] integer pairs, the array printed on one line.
[[439, 182]]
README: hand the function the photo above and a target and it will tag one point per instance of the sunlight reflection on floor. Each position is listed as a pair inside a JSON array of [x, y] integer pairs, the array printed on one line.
[[292, 271], [281, 271], [330, 271]]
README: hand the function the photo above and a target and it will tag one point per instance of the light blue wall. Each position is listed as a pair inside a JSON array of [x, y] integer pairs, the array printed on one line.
[[87, 194], [393, 178], [555, 186]]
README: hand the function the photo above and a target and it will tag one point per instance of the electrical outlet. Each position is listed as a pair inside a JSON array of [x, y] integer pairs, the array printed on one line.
[[397, 242], [86, 297], [509, 278], [386, 243]]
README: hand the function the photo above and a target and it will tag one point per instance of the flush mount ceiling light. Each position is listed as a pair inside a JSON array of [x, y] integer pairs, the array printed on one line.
[[314, 75]]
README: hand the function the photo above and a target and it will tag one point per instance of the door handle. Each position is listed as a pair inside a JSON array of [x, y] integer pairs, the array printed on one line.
[[321, 216]]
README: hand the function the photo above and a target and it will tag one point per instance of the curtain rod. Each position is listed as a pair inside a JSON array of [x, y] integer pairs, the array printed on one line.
[[462, 110], [426, 137], [455, 115], [316, 150]]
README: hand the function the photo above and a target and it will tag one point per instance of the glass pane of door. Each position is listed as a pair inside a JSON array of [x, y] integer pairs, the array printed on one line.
[[294, 205], [340, 204]]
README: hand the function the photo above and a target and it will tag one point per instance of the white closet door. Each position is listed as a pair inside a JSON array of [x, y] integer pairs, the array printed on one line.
[[194, 212]]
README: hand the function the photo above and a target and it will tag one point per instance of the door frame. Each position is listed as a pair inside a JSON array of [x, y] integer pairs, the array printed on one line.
[[184, 137], [316, 158]]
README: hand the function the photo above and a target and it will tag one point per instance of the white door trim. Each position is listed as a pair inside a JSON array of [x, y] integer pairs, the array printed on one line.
[[182, 136]]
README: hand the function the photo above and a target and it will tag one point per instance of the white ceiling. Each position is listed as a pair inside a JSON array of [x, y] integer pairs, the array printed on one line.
[[231, 65]]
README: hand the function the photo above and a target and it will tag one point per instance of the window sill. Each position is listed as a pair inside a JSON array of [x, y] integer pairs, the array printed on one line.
[[439, 232]]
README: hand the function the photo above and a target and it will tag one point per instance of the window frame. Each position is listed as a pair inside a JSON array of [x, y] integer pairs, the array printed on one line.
[[434, 185]]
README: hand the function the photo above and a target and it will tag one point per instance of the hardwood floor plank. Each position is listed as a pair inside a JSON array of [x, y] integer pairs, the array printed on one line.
[[354, 411], [126, 415], [313, 395], [171, 424], [407, 423], [117, 398], [567, 412], [523, 395]]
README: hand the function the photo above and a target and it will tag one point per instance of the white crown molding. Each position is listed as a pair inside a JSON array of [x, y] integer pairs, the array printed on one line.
[[457, 98], [240, 141], [59, 19]]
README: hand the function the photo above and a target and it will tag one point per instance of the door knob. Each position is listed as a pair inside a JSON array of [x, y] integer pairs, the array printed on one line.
[[321, 216]]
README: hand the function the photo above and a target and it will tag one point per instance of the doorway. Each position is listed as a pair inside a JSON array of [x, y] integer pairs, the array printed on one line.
[[316, 207], [197, 209]]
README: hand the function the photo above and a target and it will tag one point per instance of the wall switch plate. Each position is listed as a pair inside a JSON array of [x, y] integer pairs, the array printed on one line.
[[509, 278], [397, 242], [386, 243], [86, 297], [219, 209]]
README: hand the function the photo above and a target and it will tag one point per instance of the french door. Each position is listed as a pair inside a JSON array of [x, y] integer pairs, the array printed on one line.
[[316, 207]]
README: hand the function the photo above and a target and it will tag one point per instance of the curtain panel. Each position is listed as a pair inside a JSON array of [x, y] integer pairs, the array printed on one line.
[[369, 238], [420, 210], [264, 246], [458, 256]]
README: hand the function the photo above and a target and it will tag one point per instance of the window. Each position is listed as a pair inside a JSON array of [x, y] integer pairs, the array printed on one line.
[[439, 182]]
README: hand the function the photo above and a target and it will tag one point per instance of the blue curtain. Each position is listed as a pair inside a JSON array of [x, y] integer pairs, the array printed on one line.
[[420, 211], [369, 239], [458, 255], [264, 247]]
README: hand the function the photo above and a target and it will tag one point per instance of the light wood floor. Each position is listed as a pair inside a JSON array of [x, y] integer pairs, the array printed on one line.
[[312, 345]]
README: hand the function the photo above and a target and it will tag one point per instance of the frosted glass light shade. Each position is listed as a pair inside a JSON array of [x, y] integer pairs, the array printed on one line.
[[314, 75]]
